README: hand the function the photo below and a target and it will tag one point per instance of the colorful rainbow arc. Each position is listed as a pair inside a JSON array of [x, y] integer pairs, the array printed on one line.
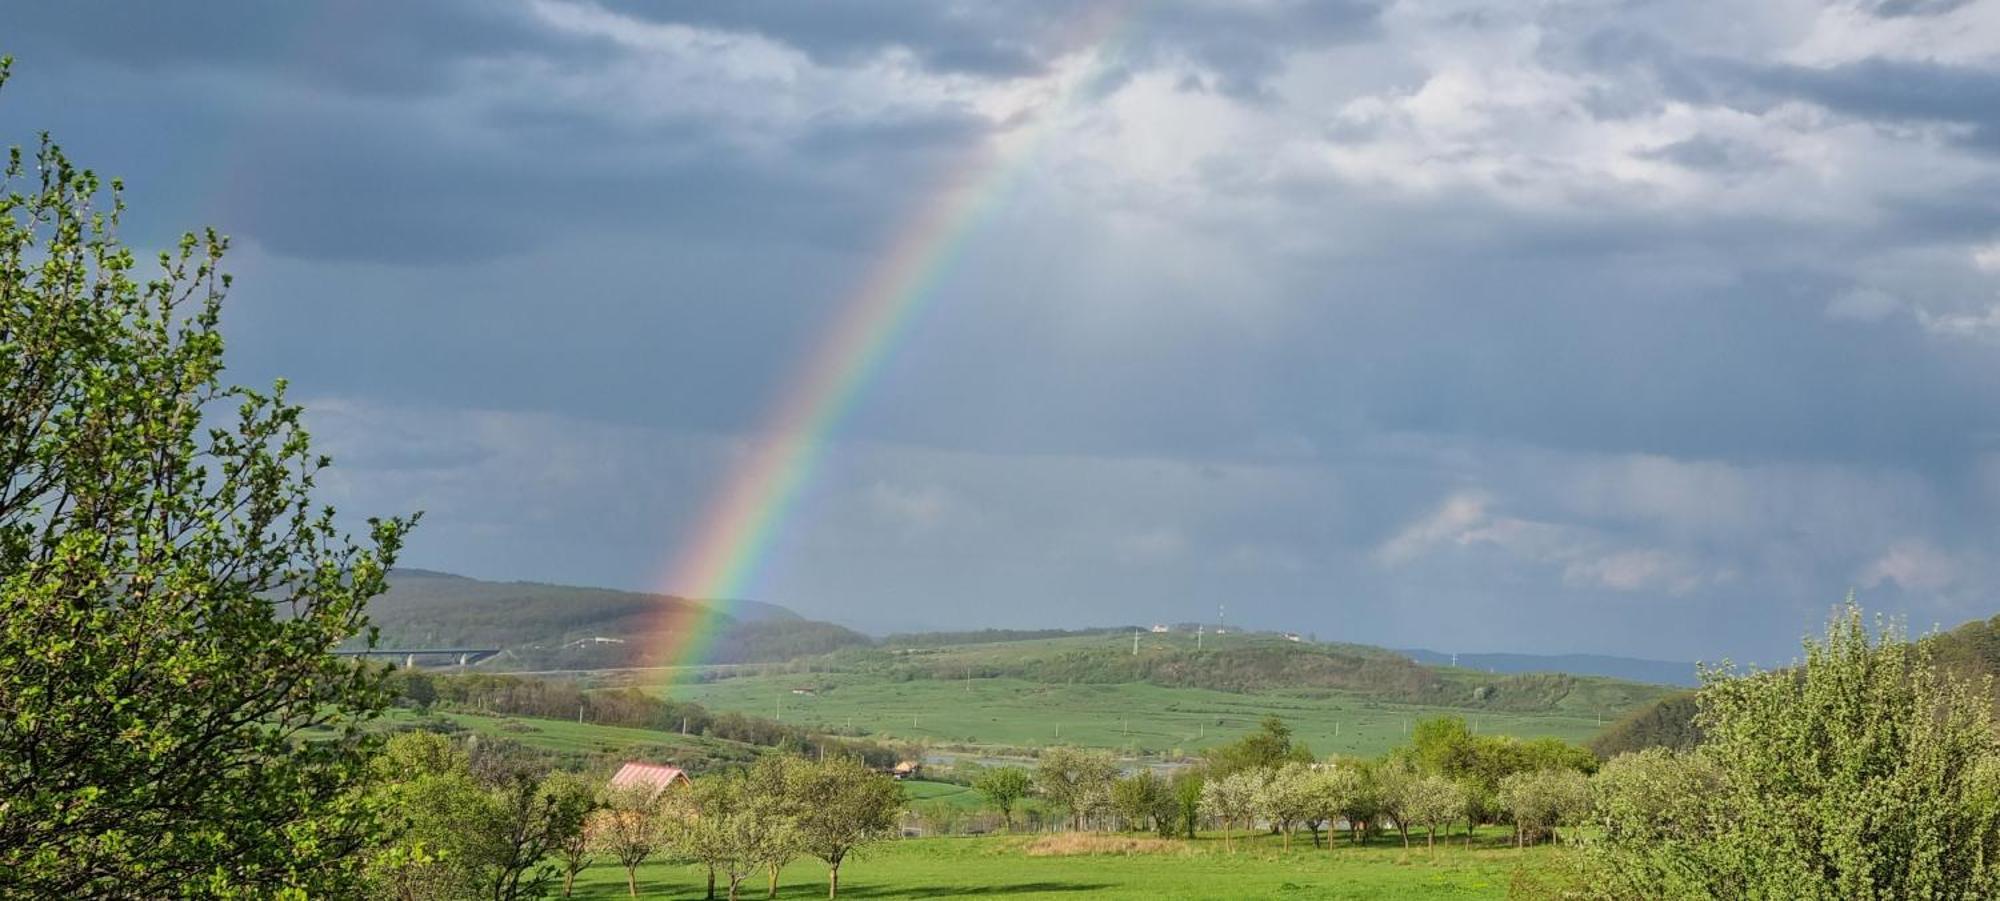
[[737, 532]]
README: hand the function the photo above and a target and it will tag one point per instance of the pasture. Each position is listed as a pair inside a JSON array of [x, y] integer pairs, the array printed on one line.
[[1133, 718], [1001, 866]]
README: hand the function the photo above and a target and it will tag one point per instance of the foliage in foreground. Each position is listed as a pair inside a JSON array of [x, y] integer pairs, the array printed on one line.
[[1866, 773], [170, 591]]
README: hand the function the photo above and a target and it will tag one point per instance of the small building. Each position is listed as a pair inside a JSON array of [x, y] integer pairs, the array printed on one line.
[[593, 640], [804, 691], [1293, 636], [652, 777], [908, 769], [1160, 629]]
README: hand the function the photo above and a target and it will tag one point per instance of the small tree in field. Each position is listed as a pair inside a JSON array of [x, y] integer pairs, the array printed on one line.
[[1187, 788], [721, 821], [578, 796], [1354, 785], [1434, 802], [523, 821], [1144, 800], [1232, 799], [1329, 793], [1004, 787], [1287, 799], [630, 828], [1865, 772], [771, 801], [172, 719], [1542, 800], [842, 806], [1075, 780], [1395, 778]]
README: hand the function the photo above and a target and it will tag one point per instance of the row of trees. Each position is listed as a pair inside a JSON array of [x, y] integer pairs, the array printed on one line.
[[1445, 777], [461, 823], [557, 699]]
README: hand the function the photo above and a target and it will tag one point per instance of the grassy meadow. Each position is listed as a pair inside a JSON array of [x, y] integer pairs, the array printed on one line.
[[1003, 866], [1130, 717], [583, 739]]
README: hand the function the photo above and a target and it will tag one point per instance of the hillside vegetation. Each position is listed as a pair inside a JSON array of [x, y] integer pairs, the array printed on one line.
[[543, 626], [1971, 651], [557, 627], [1241, 663]]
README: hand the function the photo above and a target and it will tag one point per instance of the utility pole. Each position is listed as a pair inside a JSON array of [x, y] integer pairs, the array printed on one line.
[[1135, 642], [1197, 636]]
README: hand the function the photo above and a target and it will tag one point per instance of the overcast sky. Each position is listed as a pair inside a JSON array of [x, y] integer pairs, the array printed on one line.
[[1606, 325]]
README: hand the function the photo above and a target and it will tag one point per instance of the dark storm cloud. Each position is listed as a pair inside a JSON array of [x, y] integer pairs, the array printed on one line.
[[1380, 320], [368, 46], [1242, 43]]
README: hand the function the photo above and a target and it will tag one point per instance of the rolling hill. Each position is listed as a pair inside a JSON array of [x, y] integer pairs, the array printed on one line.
[[538, 625], [991, 687]]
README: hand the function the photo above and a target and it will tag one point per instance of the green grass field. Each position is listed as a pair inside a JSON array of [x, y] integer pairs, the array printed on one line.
[[566, 737], [921, 792], [1001, 866], [1131, 717]]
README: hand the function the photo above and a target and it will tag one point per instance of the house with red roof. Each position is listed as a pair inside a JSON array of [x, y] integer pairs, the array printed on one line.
[[652, 777]]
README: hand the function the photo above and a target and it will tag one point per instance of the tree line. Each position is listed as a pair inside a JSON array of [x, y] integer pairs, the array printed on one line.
[[630, 707], [459, 822], [1447, 776]]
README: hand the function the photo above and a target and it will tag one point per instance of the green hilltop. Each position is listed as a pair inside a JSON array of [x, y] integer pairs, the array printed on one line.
[[1001, 690]]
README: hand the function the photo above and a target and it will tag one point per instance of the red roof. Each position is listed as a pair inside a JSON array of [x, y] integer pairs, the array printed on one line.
[[649, 775]]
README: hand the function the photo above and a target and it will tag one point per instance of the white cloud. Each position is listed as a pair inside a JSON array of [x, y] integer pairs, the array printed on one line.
[[1449, 523], [1585, 558], [1913, 565]]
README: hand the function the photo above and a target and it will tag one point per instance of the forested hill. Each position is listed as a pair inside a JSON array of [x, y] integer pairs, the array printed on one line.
[[1242, 663], [1971, 651], [565, 626]]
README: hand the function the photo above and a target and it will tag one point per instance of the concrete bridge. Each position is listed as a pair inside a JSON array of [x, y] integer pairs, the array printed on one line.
[[463, 656]]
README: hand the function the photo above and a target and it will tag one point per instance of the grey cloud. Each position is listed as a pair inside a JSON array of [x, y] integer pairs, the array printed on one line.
[[1703, 152], [370, 46], [1243, 43], [546, 309], [1890, 9]]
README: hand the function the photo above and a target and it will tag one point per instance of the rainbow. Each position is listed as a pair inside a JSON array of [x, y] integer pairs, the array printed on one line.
[[736, 533]]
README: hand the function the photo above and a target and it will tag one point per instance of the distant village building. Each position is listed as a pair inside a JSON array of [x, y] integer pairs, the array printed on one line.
[[1158, 628], [804, 691], [653, 778], [595, 639], [1293, 636]]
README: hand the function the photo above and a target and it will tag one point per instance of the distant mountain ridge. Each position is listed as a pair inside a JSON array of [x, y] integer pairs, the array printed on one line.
[[542, 625], [1635, 669]]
